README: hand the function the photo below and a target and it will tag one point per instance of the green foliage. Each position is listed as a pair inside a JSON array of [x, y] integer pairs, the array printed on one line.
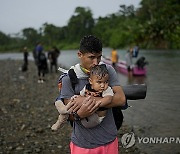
[[159, 19], [154, 25], [80, 24], [4, 39], [66, 46], [9, 44], [30, 35], [175, 38]]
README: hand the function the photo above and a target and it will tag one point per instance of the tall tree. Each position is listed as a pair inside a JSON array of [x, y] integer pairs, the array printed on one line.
[[30, 35], [4, 39], [159, 19], [51, 34], [80, 24]]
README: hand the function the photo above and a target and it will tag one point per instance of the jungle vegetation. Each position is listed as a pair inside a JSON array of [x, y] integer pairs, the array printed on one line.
[[154, 25]]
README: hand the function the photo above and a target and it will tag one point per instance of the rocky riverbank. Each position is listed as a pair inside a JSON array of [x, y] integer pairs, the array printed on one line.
[[27, 113]]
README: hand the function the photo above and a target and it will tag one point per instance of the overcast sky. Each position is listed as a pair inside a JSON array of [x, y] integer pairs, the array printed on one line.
[[16, 15]]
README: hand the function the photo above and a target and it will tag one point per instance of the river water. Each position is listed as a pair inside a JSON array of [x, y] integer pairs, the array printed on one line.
[[158, 115]]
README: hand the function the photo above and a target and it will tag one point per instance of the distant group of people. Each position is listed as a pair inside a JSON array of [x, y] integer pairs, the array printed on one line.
[[140, 63], [132, 52], [41, 60]]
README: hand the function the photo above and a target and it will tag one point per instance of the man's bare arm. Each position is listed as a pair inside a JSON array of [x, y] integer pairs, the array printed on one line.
[[104, 101], [75, 104], [119, 98]]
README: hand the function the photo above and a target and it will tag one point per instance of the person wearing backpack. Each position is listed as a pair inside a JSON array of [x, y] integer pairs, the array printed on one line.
[[53, 55], [97, 87], [42, 66], [101, 139]]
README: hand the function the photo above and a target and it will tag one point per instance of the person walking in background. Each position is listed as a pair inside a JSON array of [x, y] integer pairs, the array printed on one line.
[[38, 48], [114, 57], [102, 138], [40, 61], [25, 64], [42, 66], [135, 52], [53, 55], [129, 63]]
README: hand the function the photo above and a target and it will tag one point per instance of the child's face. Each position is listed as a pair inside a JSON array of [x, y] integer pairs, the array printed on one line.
[[99, 83]]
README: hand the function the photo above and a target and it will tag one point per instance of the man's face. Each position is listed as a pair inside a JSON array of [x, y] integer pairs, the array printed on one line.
[[88, 60]]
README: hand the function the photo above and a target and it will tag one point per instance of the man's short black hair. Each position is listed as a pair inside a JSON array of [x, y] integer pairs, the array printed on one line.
[[90, 44]]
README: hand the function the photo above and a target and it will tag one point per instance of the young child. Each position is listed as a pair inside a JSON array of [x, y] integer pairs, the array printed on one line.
[[97, 87]]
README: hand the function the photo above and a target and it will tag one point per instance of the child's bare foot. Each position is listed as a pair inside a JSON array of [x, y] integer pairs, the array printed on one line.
[[62, 119], [55, 126]]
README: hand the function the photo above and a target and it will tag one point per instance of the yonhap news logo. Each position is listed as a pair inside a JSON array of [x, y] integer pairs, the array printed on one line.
[[128, 140]]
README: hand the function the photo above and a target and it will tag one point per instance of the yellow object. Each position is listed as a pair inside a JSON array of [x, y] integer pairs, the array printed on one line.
[[84, 70], [114, 56]]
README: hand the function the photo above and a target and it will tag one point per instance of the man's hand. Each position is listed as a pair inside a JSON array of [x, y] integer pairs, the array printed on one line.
[[89, 106], [86, 107], [75, 103]]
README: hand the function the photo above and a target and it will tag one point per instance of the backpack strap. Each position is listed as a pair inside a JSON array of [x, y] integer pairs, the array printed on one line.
[[118, 116], [60, 80], [73, 78]]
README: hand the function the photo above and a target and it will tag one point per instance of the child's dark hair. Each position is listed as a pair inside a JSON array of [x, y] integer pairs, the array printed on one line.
[[99, 70], [90, 44]]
